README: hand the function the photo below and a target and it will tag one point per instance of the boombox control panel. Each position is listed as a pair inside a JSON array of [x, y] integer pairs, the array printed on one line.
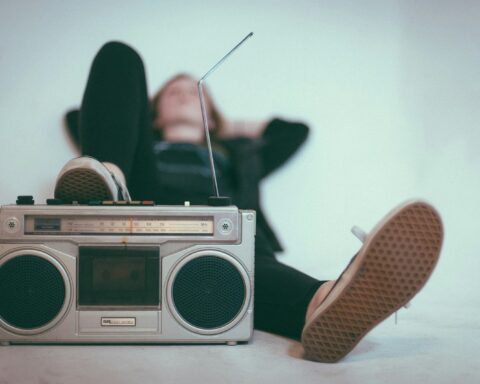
[[118, 272]]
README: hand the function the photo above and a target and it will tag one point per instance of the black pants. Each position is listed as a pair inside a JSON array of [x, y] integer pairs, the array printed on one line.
[[115, 126]]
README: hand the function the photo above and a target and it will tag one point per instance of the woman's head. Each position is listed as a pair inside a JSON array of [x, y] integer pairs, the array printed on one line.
[[177, 105]]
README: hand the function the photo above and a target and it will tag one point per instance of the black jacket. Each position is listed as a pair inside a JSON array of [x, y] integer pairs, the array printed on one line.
[[255, 159], [252, 159]]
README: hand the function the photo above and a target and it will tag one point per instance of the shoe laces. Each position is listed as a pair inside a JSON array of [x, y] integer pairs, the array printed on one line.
[[362, 236], [122, 191]]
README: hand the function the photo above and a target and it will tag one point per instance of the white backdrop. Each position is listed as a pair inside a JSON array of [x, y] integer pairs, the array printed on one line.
[[390, 89]]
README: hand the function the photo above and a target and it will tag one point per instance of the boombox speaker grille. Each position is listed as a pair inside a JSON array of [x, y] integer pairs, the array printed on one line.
[[208, 292], [32, 292]]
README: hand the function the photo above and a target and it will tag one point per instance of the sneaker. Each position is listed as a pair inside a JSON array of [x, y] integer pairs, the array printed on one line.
[[86, 179], [395, 262]]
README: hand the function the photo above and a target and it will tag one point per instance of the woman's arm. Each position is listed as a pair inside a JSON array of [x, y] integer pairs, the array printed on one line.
[[279, 141], [241, 128]]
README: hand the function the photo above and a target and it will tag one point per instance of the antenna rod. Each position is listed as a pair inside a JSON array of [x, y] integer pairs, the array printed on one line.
[[204, 111], [225, 57], [209, 144]]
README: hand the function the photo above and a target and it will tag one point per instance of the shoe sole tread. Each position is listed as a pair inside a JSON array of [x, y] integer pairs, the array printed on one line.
[[82, 185], [395, 264]]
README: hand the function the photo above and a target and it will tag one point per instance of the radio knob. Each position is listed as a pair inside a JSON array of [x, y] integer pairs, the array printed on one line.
[[225, 226], [25, 200], [12, 225]]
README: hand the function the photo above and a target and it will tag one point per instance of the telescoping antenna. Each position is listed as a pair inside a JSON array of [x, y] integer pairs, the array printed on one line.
[[215, 200]]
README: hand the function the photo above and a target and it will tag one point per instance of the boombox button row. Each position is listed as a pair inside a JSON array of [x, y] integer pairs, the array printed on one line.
[[54, 202], [122, 202]]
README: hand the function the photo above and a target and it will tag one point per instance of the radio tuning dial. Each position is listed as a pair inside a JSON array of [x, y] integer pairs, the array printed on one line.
[[12, 225], [225, 226]]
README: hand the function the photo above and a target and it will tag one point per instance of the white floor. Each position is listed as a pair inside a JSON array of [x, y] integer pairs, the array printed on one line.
[[431, 343]]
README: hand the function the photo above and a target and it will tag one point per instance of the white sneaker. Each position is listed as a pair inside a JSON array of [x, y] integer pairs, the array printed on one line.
[[395, 262], [85, 179]]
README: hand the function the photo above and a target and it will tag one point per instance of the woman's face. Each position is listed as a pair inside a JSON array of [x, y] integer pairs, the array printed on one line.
[[180, 104]]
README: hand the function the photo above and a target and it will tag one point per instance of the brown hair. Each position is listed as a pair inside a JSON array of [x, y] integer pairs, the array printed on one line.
[[216, 117]]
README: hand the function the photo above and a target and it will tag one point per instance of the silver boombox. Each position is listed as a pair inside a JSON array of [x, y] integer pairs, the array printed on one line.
[[127, 272], [108, 274]]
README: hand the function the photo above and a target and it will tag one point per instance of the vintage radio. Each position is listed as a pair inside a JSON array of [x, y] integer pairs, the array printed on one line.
[[126, 273]]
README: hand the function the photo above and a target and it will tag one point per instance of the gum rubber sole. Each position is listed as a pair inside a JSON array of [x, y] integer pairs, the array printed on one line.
[[394, 263], [82, 185]]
